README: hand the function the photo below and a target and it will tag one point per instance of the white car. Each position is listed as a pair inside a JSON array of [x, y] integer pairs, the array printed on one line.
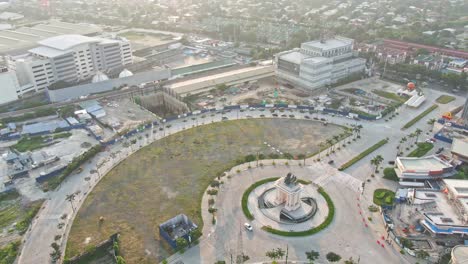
[[248, 227]]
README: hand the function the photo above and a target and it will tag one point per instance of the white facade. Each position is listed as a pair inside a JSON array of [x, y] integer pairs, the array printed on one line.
[[8, 86], [318, 63], [69, 58]]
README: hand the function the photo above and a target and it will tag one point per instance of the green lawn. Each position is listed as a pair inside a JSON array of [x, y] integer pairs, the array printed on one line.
[[29, 143], [170, 176], [383, 197], [421, 150], [445, 99], [391, 96], [62, 135]]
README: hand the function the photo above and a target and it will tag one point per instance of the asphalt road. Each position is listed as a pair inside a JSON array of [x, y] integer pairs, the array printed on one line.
[[36, 248]]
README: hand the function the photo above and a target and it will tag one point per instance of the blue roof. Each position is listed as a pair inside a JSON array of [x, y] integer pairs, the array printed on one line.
[[93, 108], [41, 127]]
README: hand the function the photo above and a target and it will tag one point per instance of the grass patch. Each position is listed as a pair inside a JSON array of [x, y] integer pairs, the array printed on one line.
[[420, 116], [140, 193], [389, 95], [323, 225], [245, 196], [47, 111], [12, 210], [421, 150], [445, 99], [26, 220], [62, 135], [390, 174], [383, 197], [9, 252], [30, 143], [363, 154]]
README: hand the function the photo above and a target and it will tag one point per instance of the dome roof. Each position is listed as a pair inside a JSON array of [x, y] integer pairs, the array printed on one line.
[[125, 73], [99, 77]]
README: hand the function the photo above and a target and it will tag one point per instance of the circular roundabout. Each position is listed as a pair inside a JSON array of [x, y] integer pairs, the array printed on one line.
[[288, 206]]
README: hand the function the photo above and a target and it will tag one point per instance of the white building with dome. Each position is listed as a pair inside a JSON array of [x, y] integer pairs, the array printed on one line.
[[125, 73], [99, 77]]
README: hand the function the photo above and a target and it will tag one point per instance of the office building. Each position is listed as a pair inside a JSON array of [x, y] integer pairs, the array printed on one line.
[[319, 63], [69, 58], [8, 86]]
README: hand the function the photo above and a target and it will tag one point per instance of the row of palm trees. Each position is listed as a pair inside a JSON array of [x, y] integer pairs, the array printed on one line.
[[408, 139], [334, 142]]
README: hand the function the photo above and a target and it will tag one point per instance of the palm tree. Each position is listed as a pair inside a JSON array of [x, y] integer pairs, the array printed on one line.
[[321, 146], [71, 198], [358, 130], [376, 162], [417, 133], [343, 138], [431, 121], [330, 144], [337, 139]]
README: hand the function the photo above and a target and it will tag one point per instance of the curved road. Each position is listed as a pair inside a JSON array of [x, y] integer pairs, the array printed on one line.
[[36, 248]]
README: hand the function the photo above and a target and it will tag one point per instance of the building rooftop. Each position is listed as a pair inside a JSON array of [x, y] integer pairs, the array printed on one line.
[[294, 57], [460, 254], [65, 42], [48, 52], [21, 39], [458, 187], [328, 44], [429, 163], [438, 208], [460, 147]]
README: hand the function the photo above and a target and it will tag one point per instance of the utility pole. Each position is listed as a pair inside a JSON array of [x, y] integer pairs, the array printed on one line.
[[240, 250], [287, 251]]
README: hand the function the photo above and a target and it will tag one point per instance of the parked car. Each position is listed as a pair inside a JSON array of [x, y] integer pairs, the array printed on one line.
[[439, 150], [225, 118], [291, 116], [331, 161], [391, 162], [248, 227], [307, 117], [275, 115]]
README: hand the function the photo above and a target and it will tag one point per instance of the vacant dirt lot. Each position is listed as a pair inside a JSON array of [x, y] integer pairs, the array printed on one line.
[[169, 177]]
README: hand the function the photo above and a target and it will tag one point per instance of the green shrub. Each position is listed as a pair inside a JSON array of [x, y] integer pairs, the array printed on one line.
[[245, 196], [420, 116], [390, 174]]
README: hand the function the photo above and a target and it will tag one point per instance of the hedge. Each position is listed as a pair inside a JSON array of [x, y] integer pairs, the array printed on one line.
[[323, 225], [75, 164], [390, 174], [420, 116], [245, 196], [363, 154]]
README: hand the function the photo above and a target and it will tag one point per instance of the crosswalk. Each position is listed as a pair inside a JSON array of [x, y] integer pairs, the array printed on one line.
[[327, 174]]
